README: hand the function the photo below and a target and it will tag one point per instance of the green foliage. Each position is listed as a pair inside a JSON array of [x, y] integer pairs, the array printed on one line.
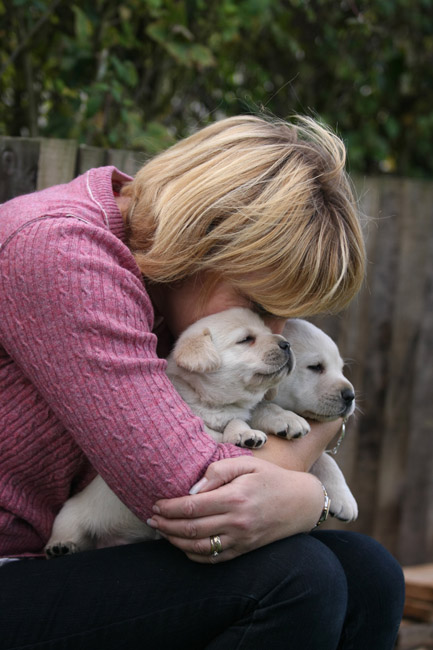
[[142, 73]]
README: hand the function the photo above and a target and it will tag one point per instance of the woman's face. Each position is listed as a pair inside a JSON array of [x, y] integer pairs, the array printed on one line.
[[182, 305]]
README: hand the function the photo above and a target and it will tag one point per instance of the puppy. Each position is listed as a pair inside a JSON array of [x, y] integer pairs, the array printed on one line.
[[223, 366], [317, 389]]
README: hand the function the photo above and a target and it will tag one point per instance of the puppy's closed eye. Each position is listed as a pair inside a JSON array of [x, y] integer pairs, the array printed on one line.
[[247, 339], [318, 367]]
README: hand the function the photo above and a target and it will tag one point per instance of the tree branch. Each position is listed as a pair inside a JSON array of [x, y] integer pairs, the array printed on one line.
[[36, 27]]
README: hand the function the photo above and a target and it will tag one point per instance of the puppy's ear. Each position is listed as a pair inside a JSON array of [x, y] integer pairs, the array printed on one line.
[[197, 353], [271, 393]]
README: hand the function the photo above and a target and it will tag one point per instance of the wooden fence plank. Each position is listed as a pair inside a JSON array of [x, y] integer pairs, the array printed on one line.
[[127, 162], [89, 157], [57, 162], [19, 159]]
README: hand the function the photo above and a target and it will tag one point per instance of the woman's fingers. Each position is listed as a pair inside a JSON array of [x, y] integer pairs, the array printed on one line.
[[223, 472], [201, 502], [213, 559], [203, 550], [191, 529], [190, 507]]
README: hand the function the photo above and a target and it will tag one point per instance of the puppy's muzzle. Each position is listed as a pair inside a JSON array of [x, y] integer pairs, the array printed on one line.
[[285, 346], [279, 356], [348, 398]]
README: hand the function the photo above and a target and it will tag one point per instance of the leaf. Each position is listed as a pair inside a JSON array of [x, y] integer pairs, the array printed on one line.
[[157, 31], [202, 55], [125, 70], [177, 42], [94, 104], [83, 26]]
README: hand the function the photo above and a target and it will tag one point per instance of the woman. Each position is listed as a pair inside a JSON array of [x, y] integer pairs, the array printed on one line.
[[94, 275]]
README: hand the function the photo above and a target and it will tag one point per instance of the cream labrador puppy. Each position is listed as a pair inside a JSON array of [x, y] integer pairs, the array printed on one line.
[[231, 353], [317, 389]]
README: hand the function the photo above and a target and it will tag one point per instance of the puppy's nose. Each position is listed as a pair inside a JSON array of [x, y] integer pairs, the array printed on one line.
[[348, 395], [285, 345]]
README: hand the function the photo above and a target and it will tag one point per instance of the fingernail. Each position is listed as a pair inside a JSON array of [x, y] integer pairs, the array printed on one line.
[[156, 510], [152, 523], [198, 486]]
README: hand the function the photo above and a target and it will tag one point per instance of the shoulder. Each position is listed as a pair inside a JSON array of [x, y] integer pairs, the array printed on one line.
[[68, 259], [88, 198]]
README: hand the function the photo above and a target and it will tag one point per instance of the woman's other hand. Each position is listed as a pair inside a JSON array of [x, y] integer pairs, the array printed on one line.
[[247, 501]]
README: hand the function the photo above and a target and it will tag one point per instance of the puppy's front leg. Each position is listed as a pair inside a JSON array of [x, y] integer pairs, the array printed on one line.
[[240, 433], [71, 532], [216, 435], [95, 517], [343, 504], [273, 419]]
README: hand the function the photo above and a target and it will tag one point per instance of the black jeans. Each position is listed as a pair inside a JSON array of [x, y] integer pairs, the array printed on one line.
[[325, 591]]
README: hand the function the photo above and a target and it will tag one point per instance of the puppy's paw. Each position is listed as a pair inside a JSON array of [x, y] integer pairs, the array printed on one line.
[[251, 438], [58, 549], [344, 507], [278, 421], [239, 433], [287, 425]]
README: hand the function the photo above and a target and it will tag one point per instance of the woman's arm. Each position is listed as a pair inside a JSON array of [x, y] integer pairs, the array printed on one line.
[[76, 319], [249, 502], [300, 454]]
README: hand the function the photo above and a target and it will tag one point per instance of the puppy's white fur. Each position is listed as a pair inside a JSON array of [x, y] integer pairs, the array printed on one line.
[[318, 389], [223, 366]]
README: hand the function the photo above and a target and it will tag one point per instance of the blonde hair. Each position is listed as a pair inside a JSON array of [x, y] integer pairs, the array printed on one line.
[[263, 204]]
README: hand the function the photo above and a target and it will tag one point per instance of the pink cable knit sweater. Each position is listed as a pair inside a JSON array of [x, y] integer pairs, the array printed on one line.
[[81, 387]]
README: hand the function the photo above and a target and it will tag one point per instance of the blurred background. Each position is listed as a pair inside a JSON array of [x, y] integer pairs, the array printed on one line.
[[112, 82], [140, 74]]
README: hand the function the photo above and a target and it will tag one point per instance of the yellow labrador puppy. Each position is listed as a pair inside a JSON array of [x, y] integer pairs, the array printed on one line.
[[317, 389], [234, 354], [231, 353]]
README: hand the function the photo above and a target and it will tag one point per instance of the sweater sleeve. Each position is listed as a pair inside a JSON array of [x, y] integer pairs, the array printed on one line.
[[76, 319]]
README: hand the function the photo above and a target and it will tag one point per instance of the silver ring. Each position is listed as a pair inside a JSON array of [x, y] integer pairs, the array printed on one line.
[[215, 545]]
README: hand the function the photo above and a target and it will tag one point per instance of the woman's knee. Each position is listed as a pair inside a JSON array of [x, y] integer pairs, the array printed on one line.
[[375, 588], [301, 583], [321, 581], [367, 563]]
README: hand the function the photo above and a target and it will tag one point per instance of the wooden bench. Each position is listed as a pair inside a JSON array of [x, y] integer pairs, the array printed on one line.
[[416, 631]]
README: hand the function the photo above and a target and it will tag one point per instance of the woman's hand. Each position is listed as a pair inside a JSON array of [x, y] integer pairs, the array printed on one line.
[[247, 501]]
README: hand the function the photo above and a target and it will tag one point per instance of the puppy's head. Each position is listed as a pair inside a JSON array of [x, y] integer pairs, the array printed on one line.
[[231, 356], [317, 388]]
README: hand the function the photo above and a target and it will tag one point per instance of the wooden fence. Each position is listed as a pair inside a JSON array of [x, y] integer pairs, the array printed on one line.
[[387, 333]]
